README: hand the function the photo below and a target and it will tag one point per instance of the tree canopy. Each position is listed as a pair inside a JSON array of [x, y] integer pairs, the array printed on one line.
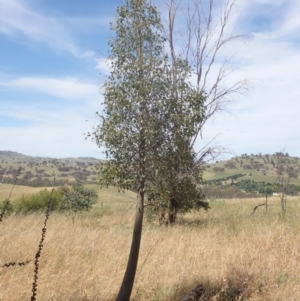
[[151, 114]]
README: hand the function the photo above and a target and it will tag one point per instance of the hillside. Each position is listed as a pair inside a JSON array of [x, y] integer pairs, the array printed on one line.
[[39, 171], [252, 173], [255, 167]]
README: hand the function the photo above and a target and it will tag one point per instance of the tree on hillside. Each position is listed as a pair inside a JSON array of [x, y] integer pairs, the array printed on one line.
[[150, 114]]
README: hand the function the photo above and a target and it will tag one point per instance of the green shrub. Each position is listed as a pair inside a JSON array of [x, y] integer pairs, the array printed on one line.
[[38, 201], [77, 198], [7, 206]]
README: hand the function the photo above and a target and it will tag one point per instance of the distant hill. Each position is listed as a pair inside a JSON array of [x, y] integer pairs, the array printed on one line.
[[239, 171], [256, 167], [40, 171], [250, 173]]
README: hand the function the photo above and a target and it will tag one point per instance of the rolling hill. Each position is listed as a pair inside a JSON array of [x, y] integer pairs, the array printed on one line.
[[246, 172], [40, 171], [258, 168]]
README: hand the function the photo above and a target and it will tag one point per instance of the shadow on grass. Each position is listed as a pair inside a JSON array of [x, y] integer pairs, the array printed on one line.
[[236, 286]]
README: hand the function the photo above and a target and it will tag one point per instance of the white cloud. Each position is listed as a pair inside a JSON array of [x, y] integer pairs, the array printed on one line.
[[268, 119], [59, 140], [18, 21], [67, 88], [103, 65], [291, 24], [264, 122], [45, 127]]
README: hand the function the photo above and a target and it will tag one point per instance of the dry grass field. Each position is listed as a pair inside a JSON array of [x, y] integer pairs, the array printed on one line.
[[233, 255], [18, 190]]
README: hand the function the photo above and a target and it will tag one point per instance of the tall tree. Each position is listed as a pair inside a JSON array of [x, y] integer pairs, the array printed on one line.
[[138, 122], [150, 113]]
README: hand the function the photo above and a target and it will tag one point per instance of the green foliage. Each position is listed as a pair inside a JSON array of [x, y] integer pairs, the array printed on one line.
[[136, 97], [220, 180], [6, 206], [38, 201], [136, 100], [253, 186], [245, 188], [177, 185], [268, 190], [152, 113], [77, 198]]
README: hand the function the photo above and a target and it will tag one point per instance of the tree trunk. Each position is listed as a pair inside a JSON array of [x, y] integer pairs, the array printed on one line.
[[128, 280], [173, 209], [162, 217]]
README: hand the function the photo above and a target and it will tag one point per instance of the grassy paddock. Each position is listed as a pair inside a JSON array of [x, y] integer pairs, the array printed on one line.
[[18, 190], [224, 247]]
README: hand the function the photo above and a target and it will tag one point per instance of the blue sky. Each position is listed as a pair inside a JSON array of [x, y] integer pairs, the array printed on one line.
[[52, 66]]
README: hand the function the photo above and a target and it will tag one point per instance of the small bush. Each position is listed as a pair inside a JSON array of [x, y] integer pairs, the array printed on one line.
[[7, 206], [77, 198], [38, 201]]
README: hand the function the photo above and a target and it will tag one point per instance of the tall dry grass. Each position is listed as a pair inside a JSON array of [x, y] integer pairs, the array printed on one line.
[[256, 258]]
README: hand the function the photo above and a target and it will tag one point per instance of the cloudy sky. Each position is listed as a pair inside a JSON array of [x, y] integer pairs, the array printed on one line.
[[52, 63]]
